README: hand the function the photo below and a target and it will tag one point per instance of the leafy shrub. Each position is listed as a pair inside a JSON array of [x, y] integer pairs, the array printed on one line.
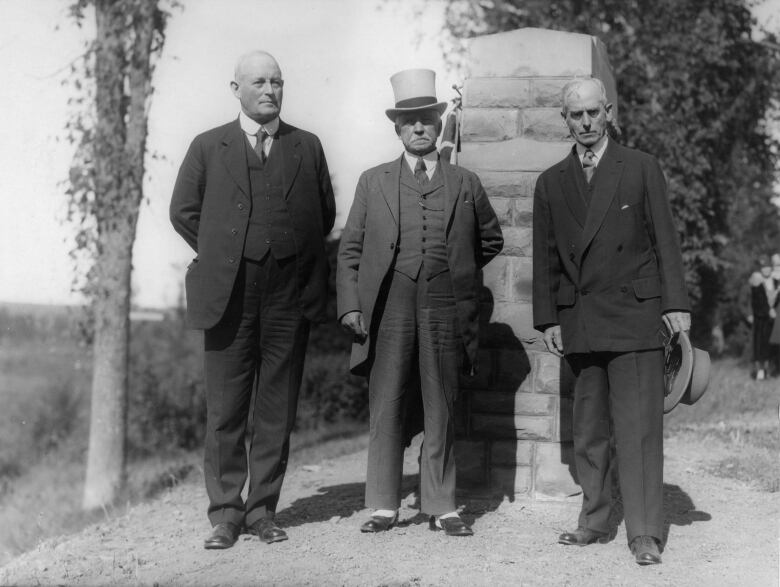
[[329, 394], [166, 404]]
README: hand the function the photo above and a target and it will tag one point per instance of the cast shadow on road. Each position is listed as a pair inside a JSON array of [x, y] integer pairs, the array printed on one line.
[[335, 501], [679, 510], [344, 500]]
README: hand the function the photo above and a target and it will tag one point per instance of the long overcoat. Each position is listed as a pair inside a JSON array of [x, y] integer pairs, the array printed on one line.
[[371, 235]]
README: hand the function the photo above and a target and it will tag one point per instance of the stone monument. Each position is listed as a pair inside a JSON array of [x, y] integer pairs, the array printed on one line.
[[515, 414]]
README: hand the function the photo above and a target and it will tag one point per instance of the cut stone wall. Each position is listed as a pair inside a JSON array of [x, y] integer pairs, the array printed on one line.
[[515, 425]]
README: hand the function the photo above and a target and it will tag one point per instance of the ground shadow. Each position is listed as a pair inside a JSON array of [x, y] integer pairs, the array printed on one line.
[[339, 501], [679, 510]]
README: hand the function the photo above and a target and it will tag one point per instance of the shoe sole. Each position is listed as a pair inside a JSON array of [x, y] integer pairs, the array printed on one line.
[[211, 546], [390, 527], [435, 528], [602, 540], [274, 539]]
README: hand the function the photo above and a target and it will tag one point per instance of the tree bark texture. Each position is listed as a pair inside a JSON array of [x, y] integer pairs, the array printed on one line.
[[123, 50]]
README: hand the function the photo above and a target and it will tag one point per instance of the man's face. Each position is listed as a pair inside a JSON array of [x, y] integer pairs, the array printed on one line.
[[586, 115], [418, 131], [259, 88], [766, 271]]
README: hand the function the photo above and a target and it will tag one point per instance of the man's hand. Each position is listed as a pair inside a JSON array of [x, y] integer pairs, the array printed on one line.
[[553, 340], [677, 321], [353, 322]]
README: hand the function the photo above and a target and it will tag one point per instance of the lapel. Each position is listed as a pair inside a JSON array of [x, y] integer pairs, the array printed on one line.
[[289, 148], [234, 156], [390, 186], [573, 188], [606, 179], [452, 184]]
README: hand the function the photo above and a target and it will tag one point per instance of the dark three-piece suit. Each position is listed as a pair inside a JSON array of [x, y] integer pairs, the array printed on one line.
[[410, 260], [260, 276], [607, 265]]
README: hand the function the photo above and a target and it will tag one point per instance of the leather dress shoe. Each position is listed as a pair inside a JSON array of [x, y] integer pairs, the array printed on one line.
[[379, 524], [453, 526], [223, 535], [645, 549], [582, 537], [267, 530]]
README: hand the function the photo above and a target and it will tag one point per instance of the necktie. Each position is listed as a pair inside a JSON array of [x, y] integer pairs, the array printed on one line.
[[589, 164], [262, 136], [419, 172]]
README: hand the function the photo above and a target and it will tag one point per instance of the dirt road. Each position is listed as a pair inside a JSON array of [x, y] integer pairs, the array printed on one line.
[[721, 532]]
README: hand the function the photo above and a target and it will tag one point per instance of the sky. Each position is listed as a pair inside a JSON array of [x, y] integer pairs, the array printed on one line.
[[336, 57]]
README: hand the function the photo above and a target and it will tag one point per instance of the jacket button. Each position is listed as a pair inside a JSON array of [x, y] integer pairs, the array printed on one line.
[[620, 248], [231, 259], [392, 246], [240, 206], [624, 289], [233, 231], [585, 292]]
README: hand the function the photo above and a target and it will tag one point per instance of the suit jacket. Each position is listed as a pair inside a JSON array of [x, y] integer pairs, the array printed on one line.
[[371, 234], [212, 202], [607, 270]]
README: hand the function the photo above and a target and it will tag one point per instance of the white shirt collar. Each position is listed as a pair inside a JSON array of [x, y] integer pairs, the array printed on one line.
[[251, 127], [598, 151], [431, 160]]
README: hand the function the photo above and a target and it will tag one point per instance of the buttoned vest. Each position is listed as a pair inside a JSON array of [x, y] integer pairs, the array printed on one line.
[[270, 226], [422, 226]]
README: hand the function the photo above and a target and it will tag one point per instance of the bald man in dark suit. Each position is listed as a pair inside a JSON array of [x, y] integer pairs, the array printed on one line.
[[254, 200]]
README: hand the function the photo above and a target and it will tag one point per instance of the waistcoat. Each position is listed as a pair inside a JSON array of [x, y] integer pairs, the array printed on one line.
[[422, 226], [270, 226]]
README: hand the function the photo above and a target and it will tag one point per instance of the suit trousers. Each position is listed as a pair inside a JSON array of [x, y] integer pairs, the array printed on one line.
[[620, 394], [416, 331], [253, 366]]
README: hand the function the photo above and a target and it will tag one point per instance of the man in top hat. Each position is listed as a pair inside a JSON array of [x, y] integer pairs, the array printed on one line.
[[254, 200], [418, 232], [607, 278]]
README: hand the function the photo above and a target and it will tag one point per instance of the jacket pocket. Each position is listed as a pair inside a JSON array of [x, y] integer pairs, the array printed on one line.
[[647, 287], [566, 295]]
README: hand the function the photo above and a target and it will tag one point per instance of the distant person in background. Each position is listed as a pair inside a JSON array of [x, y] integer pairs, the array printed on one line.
[[774, 337], [419, 231], [254, 200], [608, 284], [763, 294]]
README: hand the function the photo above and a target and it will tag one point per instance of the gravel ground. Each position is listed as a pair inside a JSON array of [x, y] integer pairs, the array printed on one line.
[[721, 532]]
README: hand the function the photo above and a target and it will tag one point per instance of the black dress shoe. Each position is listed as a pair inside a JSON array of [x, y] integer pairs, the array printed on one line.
[[223, 535], [582, 537], [267, 530], [453, 526], [645, 549], [379, 524]]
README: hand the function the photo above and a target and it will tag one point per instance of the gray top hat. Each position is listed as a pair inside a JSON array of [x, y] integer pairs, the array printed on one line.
[[414, 90], [686, 372]]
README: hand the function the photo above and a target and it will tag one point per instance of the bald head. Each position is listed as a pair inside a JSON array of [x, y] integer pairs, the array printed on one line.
[[258, 85], [249, 60]]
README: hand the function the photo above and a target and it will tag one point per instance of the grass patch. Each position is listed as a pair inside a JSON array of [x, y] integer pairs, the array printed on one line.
[[737, 419]]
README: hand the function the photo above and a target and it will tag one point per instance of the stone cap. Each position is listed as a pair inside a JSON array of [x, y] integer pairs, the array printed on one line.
[[541, 53]]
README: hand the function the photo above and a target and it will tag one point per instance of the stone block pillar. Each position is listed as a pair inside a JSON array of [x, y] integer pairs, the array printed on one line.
[[515, 433]]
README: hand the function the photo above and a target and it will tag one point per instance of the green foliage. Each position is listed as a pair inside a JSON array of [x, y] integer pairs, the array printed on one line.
[[166, 403], [699, 91]]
